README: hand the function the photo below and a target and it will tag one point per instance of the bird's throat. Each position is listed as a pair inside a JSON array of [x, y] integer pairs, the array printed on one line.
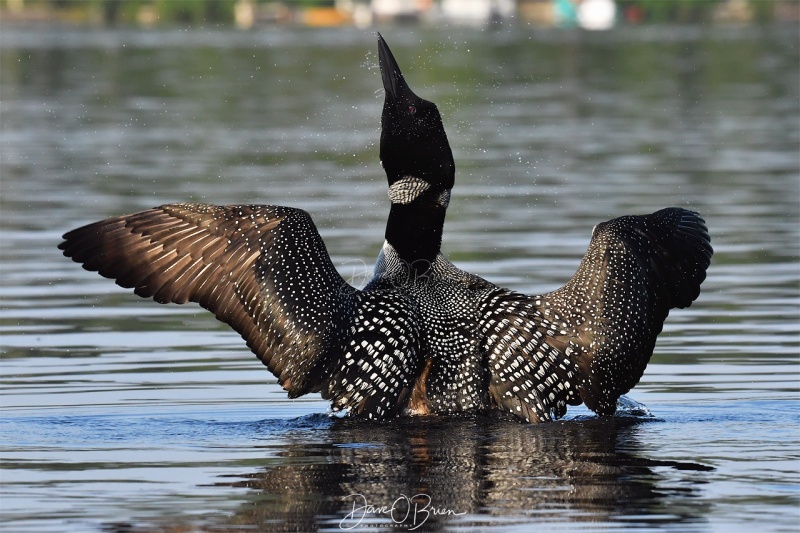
[[415, 231]]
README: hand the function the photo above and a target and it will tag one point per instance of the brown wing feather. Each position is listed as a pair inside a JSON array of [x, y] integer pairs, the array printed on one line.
[[245, 264]]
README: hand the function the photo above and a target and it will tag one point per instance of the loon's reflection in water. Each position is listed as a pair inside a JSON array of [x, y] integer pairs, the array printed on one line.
[[472, 469]]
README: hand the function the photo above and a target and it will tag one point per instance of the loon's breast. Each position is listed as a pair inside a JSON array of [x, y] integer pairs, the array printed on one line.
[[447, 297], [448, 302]]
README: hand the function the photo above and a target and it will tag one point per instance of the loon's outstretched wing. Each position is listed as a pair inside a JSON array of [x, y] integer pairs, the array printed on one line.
[[591, 340], [262, 269]]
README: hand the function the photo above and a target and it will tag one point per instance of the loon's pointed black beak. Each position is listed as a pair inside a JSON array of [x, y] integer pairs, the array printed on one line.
[[393, 81]]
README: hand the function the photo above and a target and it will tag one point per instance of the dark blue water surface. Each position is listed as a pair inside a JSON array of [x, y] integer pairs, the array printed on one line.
[[119, 414]]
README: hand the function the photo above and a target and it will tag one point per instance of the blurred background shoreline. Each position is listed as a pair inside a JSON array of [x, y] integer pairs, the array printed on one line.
[[246, 14]]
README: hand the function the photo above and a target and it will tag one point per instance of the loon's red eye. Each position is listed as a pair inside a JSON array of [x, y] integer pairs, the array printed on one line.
[[412, 109]]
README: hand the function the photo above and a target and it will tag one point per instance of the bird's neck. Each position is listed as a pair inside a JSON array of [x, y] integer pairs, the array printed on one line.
[[415, 231]]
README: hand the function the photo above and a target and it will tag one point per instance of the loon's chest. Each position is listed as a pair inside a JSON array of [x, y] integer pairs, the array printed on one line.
[[448, 317], [447, 301]]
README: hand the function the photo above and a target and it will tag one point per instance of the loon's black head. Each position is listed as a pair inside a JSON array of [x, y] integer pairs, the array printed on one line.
[[414, 147]]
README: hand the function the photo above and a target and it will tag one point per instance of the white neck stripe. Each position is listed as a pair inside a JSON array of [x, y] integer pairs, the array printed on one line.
[[410, 188], [407, 190]]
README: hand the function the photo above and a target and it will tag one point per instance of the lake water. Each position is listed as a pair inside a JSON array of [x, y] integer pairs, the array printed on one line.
[[119, 414]]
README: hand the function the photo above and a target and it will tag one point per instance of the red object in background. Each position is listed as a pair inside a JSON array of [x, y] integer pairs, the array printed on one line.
[[634, 15]]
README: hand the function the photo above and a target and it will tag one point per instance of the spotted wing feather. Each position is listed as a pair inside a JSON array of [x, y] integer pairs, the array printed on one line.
[[591, 340], [381, 358], [263, 270]]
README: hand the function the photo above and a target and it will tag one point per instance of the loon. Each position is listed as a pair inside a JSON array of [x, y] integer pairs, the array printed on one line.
[[422, 337]]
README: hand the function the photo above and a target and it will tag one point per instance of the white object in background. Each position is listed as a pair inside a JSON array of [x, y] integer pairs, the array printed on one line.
[[597, 14], [478, 11]]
